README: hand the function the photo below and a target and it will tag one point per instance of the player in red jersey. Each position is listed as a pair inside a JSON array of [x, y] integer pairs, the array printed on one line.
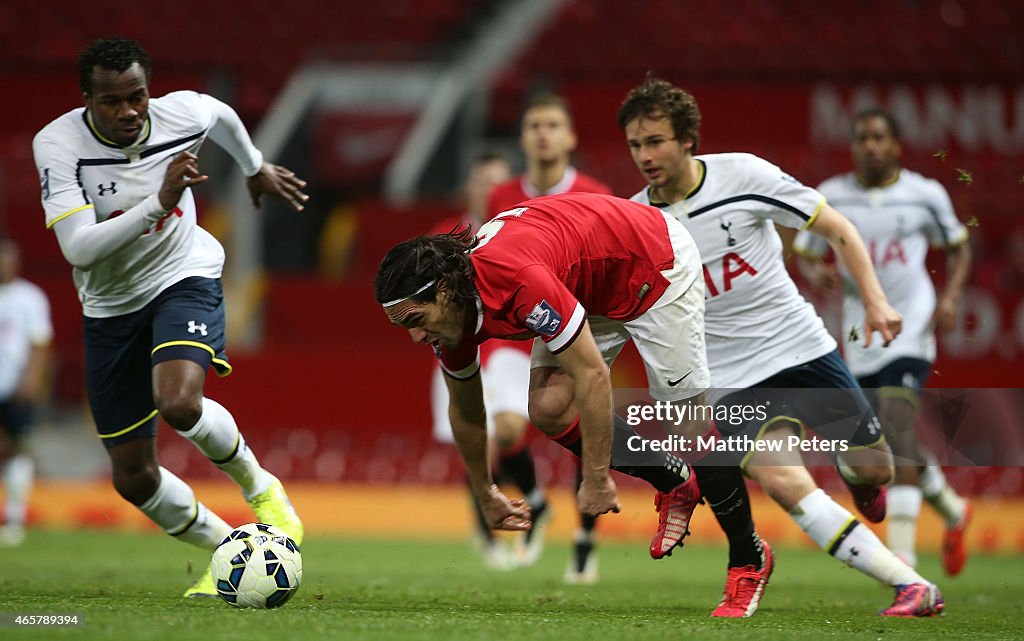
[[548, 139], [506, 376], [582, 274]]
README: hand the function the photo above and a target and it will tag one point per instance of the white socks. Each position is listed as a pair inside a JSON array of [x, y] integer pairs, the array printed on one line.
[[841, 535], [904, 506], [175, 509], [940, 495], [536, 498], [17, 485], [217, 437]]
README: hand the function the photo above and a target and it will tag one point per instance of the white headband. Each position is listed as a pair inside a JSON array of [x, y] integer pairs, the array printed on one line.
[[405, 298]]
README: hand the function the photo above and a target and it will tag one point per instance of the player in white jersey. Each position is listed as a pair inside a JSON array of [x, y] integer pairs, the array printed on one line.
[[900, 214], [25, 336], [767, 343], [115, 177]]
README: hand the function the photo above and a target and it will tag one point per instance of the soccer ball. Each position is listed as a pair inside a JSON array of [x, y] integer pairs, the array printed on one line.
[[257, 566]]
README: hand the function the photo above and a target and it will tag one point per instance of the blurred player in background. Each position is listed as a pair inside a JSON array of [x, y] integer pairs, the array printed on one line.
[[25, 336], [548, 138], [505, 371], [899, 213], [581, 274], [761, 334], [116, 178]]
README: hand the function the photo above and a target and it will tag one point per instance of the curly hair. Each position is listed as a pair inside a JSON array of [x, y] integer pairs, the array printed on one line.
[[442, 258], [115, 54], [656, 99]]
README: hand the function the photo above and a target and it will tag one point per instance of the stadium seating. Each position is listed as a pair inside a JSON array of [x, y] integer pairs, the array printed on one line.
[[794, 40]]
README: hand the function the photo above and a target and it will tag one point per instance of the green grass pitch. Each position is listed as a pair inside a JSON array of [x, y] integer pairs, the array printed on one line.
[[127, 586]]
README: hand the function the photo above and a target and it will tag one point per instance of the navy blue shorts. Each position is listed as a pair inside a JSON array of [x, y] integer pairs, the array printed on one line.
[[186, 321], [903, 378], [16, 418], [821, 395]]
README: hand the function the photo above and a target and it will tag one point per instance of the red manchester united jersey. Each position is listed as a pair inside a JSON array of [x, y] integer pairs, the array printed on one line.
[[488, 348], [509, 194], [546, 265]]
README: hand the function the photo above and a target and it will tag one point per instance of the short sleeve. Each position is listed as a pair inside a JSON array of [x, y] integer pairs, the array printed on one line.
[[461, 363], [809, 244], [780, 197], [62, 194], [40, 326], [544, 305], [944, 228]]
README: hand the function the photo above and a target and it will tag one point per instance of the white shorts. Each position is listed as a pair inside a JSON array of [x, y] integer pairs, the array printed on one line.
[[669, 336], [506, 381]]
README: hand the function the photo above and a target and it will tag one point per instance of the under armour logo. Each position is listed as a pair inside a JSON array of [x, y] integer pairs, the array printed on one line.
[[874, 425], [193, 327], [103, 190], [44, 182], [725, 227]]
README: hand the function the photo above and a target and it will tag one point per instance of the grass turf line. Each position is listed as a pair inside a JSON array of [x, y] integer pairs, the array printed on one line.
[[127, 587]]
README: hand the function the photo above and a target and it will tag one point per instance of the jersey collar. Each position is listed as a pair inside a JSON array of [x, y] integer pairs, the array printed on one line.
[[702, 168], [143, 136], [560, 187], [888, 183]]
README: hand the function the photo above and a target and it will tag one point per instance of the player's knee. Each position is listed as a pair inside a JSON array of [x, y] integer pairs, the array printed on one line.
[[869, 466], [874, 474], [547, 417], [180, 408], [509, 429], [505, 443], [786, 485], [906, 475], [136, 483]]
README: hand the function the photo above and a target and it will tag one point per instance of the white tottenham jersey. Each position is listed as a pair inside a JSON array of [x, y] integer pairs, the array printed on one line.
[[24, 322], [897, 222], [82, 174], [756, 322]]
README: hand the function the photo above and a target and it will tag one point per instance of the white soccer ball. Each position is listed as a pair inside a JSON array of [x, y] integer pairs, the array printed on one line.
[[257, 566]]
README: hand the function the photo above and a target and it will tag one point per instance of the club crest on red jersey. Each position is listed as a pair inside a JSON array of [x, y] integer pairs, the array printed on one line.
[[544, 319]]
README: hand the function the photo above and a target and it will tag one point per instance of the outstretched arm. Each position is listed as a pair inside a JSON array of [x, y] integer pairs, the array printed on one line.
[[583, 362], [842, 236], [958, 267], [261, 177], [469, 426], [279, 182]]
